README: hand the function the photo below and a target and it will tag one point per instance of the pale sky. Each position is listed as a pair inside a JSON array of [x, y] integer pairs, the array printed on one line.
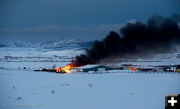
[[67, 19]]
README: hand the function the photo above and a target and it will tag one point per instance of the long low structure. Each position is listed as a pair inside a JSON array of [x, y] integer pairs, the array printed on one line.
[[92, 68]]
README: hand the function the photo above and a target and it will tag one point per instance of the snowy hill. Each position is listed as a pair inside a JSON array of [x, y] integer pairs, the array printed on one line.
[[54, 44], [66, 50], [59, 50]]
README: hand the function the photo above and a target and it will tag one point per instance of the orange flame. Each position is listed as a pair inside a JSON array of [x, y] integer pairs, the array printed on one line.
[[132, 68], [66, 69]]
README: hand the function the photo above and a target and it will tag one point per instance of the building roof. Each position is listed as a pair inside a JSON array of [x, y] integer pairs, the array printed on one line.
[[89, 66]]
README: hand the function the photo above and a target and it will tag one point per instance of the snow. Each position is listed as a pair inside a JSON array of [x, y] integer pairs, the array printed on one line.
[[42, 90], [23, 88], [35, 52]]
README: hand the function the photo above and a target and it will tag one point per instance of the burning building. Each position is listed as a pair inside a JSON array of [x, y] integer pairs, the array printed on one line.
[[157, 35], [66, 69]]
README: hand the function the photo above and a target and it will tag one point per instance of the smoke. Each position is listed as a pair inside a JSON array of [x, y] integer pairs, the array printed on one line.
[[157, 35]]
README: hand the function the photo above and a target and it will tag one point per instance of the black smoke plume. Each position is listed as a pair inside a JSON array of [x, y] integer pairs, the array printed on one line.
[[158, 34]]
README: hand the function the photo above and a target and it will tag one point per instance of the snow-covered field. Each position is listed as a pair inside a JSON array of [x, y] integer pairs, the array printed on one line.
[[22, 89]]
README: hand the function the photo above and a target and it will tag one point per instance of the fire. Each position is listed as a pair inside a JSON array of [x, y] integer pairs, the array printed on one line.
[[132, 68], [66, 69], [58, 69]]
